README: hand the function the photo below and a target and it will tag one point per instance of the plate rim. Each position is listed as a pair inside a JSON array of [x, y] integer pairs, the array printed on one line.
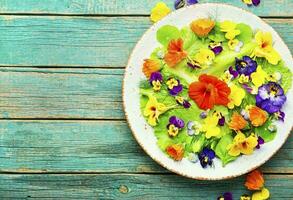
[[132, 129]]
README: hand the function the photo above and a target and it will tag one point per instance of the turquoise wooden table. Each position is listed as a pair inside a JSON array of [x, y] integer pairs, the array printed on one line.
[[63, 131]]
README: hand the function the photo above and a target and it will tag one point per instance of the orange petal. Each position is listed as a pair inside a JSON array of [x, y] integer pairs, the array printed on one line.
[[257, 116], [202, 27], [254, 180], [237, 122], [175, 52], [150, 66], [175, 151]]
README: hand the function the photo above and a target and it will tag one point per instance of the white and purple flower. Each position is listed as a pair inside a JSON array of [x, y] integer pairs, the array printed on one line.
[[216, 47], [175, 125], [156, 80], [182, 3], [270, 97], [183, 102], [206, 157]]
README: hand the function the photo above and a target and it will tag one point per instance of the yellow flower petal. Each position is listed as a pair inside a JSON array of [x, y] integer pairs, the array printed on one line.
[[159, 11], [233, 43], [236, 96], [227, 25], [273, 57], [231, 34], [261, 195], [153, 110], [205, 56], [258, 78], [264, 40], [210, 126]]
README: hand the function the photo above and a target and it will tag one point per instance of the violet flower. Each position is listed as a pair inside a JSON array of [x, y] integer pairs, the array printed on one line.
[[182, 3], [270, 97], [206, 157], [246, 65], [216, 47], [175, 125], [174, 86], [226, 196], [260, 141]]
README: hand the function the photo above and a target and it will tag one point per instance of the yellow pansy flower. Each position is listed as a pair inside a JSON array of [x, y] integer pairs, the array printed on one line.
[[159, 11], [210, 126], [275, 77], [258, 78], [265, 48], [226, 77], [205, 56], [236, 96], [232, 44], [153, 110], [242, 144], [243, 79], [230, 35], [261, 195], [227, 26]]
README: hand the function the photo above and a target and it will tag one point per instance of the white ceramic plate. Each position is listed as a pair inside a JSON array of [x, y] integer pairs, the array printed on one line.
[[143, 133]]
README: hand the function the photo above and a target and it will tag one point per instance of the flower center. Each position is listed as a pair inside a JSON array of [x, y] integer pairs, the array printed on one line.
[[153, 108], [273, 90], [243, 64], [264, 45]]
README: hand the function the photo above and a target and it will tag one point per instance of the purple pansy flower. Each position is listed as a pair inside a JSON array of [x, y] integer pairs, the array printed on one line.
[[174, 86], [206, 157], [270, 97], [221, 121], [183, 102], [216, 47], [233, 72], [246, 65], [260, 141], [181, 3], [156, 76], [176, 121], [280, 115], [252, 2], [203, 114], [226, 196]]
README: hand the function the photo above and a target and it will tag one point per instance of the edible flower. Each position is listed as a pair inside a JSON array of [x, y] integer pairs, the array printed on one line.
[[204, 57], [251, 2], [210, 126], [260, 141], [182, 3], [175, 125], [226, 196], [261, 195], [265, 48], [275, 77], [156, 80], [150, 66], [216, 47], [206, 157], [250, 89], [233, 72], [219, 115], [159, 11], [245, 197], [236, 96], [246, 65], [209, 91], [192, 157], [226, 76], [270, 97], [175, 52], [241, 144], [175, 151], [280, 115], [235, 45], [243, 79], [174, 86], [227, 26], [193, 128], [153, 110], [257, 116], [183, 102], [259, 77], [203, 114], [202, 27], [254, 180], [231, 34], [237, 122]]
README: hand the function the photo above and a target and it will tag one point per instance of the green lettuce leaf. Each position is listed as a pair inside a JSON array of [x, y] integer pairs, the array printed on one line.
[[167, 33], [221, 149], [188, 37], [246, 33], [264, 132]]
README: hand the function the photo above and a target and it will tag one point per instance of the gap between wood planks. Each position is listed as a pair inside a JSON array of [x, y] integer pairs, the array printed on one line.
[[112, 15]]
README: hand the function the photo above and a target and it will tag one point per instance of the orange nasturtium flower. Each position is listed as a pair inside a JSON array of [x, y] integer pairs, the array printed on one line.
[[209, 91], [257, 116], [175, 151], [202, 27], [254, 180], [237, 122], [150, 66], [175, 52]]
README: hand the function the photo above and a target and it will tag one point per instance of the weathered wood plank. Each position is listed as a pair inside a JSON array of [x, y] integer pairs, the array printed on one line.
[[127, 186], [78, 41], [60, 93], [88, 146], [127, 7]]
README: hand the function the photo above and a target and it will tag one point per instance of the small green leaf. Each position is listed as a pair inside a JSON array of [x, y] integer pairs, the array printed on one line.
[[188, 37], [167, 33], [246, 33], [221, 149], [265, 133], [217, 37]]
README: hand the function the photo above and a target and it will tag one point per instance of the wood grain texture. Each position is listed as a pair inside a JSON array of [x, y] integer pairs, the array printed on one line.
[[79, 41], [127, 7], [126, 186], [87, 146]]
